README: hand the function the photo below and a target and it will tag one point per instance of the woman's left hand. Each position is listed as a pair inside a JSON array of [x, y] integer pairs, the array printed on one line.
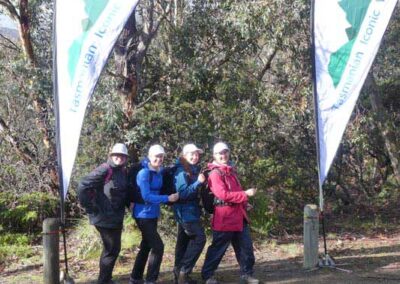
[[249, 207], [201, 178]]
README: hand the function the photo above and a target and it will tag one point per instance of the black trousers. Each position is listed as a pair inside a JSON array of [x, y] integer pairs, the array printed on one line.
[[111, 247], [189, 245], [242, 245], [151, 244]]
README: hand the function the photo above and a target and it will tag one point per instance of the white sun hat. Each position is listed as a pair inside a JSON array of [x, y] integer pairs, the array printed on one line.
[[190, 148], [155, 150], [219, 147], [119, 148]]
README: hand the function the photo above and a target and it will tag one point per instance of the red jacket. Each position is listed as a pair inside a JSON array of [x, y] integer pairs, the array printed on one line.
[[227, 188]]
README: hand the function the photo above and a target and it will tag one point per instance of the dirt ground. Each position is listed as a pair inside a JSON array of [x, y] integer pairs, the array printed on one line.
[[358, 259]]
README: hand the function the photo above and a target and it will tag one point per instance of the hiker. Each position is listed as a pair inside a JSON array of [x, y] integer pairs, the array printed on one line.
[[191, 237], [229, 222], [103, 194], [149, 180]]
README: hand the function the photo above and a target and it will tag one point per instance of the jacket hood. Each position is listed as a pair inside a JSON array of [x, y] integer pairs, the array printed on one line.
[[225, 168], [145, 163]]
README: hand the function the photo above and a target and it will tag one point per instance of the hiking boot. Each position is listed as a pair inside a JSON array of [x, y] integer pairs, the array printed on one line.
[[184, 278], [176, 275], [135, 281], [212, 280], [108, 282], [248, 279]]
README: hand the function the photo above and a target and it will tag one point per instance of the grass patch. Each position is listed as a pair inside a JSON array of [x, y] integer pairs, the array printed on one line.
[[131, 236], [86, 240], [15, 246]]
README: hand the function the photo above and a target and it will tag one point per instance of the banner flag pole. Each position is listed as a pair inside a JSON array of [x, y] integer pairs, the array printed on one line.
[[84, 33], [345, 39]]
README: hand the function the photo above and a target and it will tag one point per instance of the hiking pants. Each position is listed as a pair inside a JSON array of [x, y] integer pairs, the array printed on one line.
[[242, 245], [189, 245], [111, 247], [151, 244]]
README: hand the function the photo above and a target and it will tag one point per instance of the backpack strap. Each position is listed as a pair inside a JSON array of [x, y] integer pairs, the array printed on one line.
[[217, 201], [109, 173]]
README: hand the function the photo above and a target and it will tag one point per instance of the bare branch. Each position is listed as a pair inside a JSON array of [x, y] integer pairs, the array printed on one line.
[[12, 45], [147, 100], [13, 13], [115, 75], [26, 155], [267, 65]]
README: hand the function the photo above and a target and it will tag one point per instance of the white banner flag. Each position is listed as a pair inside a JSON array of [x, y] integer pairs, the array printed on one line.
[[85, 32], [347, 35]]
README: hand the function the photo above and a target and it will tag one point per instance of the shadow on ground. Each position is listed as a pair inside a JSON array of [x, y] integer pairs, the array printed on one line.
[[371, 265], [371, 261]]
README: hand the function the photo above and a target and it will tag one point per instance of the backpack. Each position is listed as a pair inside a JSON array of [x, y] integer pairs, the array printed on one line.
[[168, 185], [134, 195], [86, 196], [207, 197]]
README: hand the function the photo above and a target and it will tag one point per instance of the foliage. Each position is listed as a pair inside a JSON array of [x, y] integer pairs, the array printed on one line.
[[14, 245], [24, 213], [237, 71]]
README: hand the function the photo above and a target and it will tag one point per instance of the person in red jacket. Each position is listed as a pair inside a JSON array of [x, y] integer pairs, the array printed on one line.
[[229, 222]]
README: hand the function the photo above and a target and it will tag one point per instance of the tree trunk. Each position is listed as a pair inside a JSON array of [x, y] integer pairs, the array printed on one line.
[[130, 52], [24, 31], [382, 121], [22, 17], [124, 54]]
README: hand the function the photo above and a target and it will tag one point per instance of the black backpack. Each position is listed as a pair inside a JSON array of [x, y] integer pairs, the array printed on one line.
[[207, 197], [134, 194], [87, 194], [168, 186]]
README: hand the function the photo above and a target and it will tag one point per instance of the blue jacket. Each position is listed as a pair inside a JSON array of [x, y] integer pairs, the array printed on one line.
[[187, 208], [149, 182]]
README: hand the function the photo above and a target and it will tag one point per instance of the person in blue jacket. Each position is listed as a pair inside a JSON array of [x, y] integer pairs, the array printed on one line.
[[191, 237], [149, 180]]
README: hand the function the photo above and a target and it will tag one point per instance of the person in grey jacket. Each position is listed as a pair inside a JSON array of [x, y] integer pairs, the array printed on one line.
[[104, 194]]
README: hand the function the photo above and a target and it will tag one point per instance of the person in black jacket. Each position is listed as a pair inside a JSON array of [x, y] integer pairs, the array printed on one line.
[[104, 194]]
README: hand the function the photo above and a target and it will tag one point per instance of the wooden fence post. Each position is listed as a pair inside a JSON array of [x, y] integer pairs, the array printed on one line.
[[51, 253], [311, 234]]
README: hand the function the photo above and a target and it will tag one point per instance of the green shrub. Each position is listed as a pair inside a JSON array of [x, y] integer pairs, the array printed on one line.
[[262, 218], [14, 245], [15, 251], [25, 213], [14, 239]]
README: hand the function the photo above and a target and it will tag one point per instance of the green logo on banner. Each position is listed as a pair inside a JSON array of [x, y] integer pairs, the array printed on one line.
[[93, 9], [355, 13]]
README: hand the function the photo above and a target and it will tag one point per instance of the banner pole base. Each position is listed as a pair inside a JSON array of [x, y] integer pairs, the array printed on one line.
[[326, 261], [65, 278]]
